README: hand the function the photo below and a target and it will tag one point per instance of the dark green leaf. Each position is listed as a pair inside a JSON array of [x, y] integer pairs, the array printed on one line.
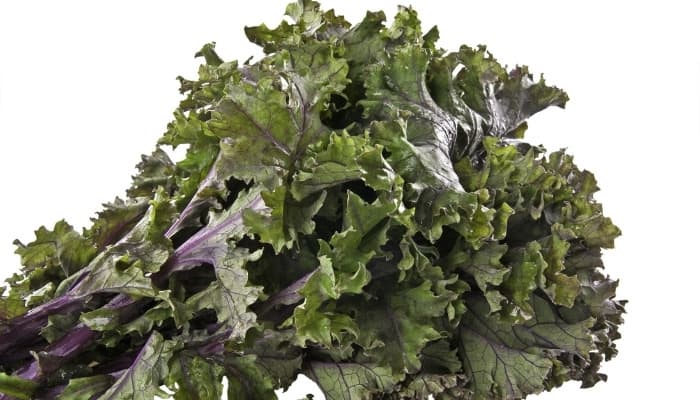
[[395, 331], [196, 377], [351, 381], [355, 205], [87, 388], [510, 361]]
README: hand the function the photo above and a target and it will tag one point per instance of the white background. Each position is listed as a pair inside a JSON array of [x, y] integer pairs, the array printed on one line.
[[86, 88]]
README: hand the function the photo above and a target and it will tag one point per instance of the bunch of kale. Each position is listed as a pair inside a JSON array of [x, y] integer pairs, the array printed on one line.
[[357, 207]]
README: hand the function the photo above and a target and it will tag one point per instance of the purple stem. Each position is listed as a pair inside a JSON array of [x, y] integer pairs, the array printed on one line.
[[24, 329], [191, 206], [68, 346], [120, 363], [287, 296], [182, 256], [207, 233], [81, 337], [73, 343], [213, 344], [27, 327], [135, 361]]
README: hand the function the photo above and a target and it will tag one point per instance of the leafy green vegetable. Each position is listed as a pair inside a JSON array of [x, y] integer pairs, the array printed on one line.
[[150, 367], [17, 387], [356, 206]]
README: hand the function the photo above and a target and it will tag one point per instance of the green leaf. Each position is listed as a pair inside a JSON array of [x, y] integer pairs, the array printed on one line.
[[440, 386], [13, 305], [271, 122], [145, 375], [342, 270], [58, 326], [86, 388], [394, 331], [155, 170], [418, 133], [505, 99], [275, 356], [115, 220], [561, 288], [108, 322], [351, 381], [248, 380], [596, 230], [580, 213], [510, 361], [484, 265], [597, 300], [436, 209], [18, 388], [122, 267], [196, 377], [500, 221], [364, 231], [310, 321], [364, 44], [230, 294], [343, 159], [211, 188], [47, 261], [63, 247], [256, 119], [439, 357], [308, 21], [527, 266], [283, 218]]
